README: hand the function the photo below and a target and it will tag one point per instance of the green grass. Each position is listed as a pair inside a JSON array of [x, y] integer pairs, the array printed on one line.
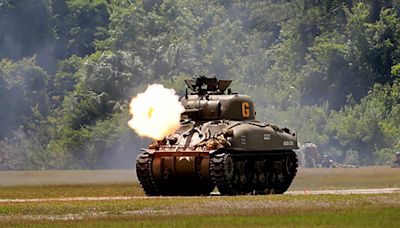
[[273, 210], [382, 210], [357, 218]]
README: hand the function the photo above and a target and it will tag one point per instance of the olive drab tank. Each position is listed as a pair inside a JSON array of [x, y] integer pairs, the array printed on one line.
[[219, 143]]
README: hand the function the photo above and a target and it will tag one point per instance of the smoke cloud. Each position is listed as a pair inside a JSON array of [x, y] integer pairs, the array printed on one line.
[[156, 112]]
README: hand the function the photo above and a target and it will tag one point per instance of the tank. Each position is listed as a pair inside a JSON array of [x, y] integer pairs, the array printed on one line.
[[219, 144]]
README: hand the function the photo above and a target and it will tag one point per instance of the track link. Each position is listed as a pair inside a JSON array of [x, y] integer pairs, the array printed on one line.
[[145, 175], [221, 167], [289, 172]]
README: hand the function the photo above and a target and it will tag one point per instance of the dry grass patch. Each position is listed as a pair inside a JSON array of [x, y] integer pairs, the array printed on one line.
[[61, 191], [66, 177], [346, 178]]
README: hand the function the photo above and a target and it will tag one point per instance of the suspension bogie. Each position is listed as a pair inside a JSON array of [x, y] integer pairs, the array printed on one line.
[[267, 174]]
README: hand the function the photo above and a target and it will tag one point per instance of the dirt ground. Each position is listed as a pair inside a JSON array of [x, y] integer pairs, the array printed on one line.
[[61, 177]]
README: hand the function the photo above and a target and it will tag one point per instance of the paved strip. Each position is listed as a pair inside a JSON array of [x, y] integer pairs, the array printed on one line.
[[305, 192]]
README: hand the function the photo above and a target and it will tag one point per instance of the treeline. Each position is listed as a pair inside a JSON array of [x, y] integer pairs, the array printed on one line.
[[327, 68]]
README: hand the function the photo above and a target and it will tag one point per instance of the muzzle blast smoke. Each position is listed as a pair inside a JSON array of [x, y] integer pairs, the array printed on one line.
[[156, 112]]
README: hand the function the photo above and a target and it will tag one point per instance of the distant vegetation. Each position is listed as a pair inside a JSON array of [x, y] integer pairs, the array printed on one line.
[[329, 69]]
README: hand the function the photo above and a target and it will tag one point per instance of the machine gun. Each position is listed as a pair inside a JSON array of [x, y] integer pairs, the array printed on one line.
[[203, 85]]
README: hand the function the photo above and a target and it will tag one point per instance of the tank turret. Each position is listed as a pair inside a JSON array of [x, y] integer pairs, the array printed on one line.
[[208, 101]]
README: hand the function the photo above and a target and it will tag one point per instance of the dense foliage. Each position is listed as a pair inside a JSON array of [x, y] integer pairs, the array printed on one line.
[[327, 68]]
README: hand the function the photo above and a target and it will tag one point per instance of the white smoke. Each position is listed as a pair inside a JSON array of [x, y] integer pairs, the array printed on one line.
[[156, 112]]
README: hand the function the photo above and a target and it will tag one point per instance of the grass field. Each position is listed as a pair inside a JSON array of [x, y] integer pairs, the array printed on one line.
[[347, 178], [53, 184], [272, 210], [380, 210]]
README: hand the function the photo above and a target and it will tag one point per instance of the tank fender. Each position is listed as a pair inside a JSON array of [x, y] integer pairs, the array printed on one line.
[[212, 152], [147, 151], [259, 136]]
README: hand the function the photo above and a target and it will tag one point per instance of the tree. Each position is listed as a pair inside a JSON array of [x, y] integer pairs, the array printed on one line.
[[78, 25], [24, 99], [25, 31]]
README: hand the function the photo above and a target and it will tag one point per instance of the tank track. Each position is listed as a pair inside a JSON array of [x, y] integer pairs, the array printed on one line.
[[221, 166], [145, 175], [268, 174], [232, 174], [290, 170]]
